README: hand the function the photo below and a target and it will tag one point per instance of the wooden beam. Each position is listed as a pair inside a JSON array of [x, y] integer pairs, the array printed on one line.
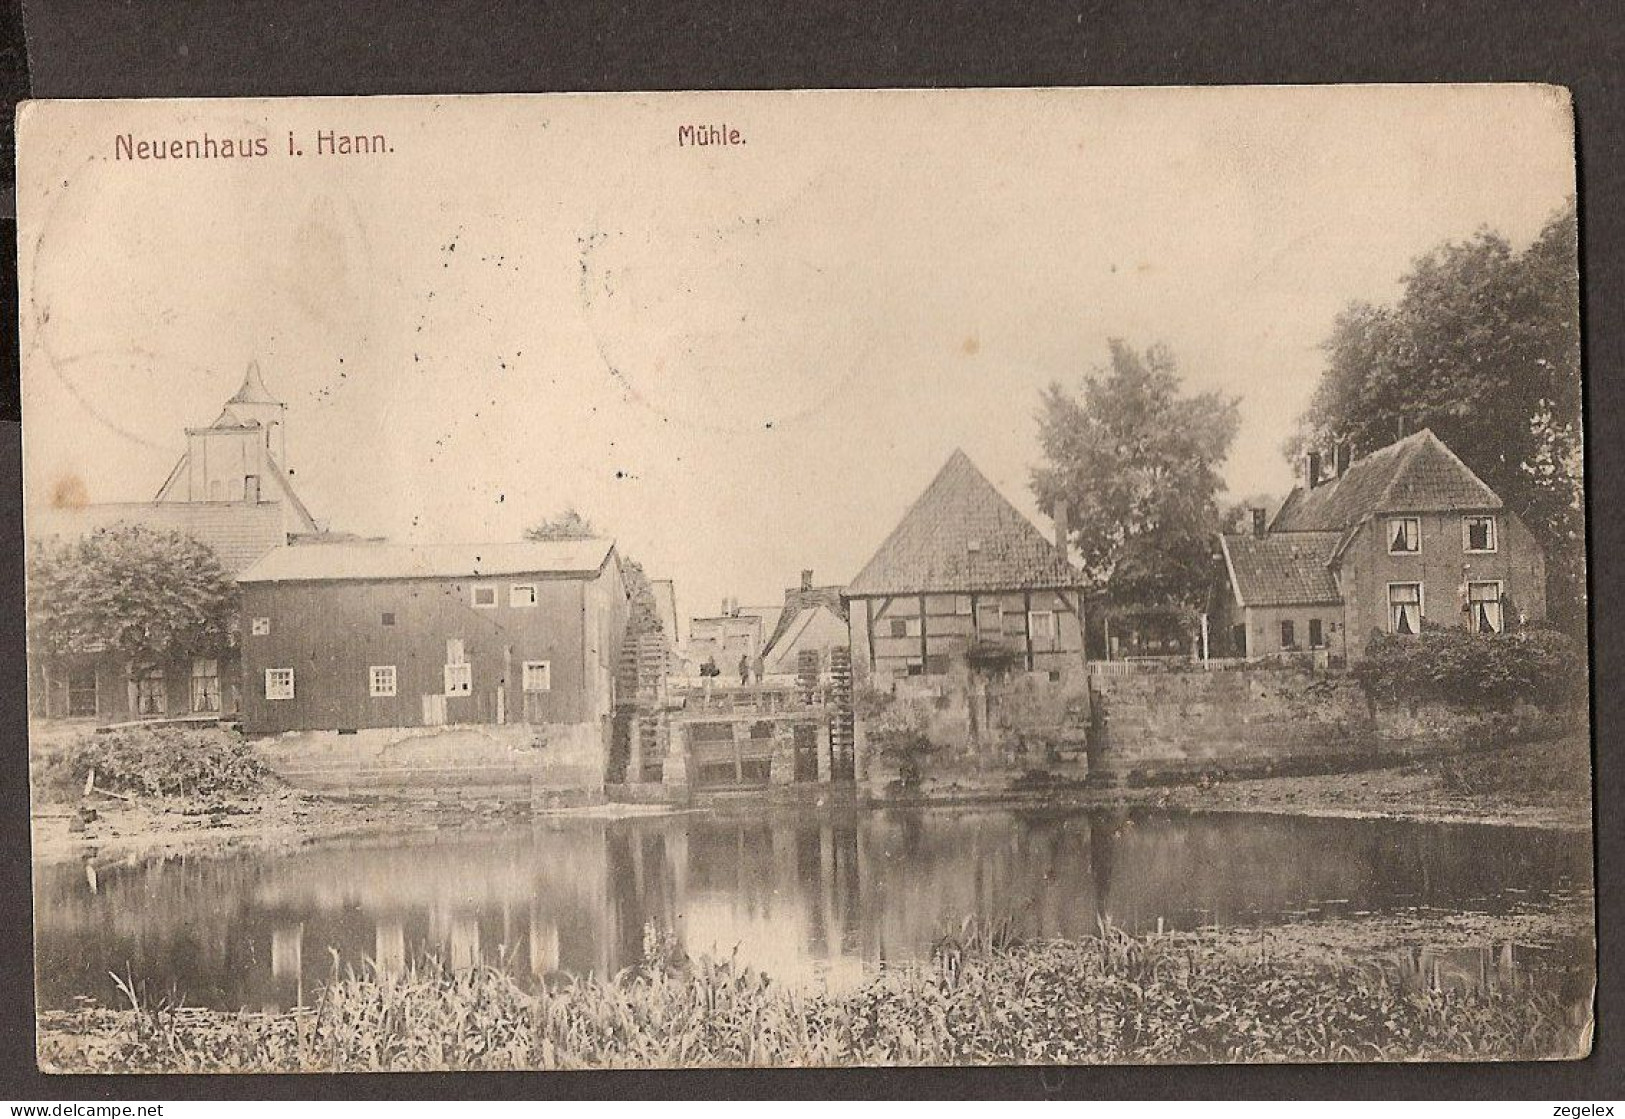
[[924, 649], [869, 626], [1027, 624]]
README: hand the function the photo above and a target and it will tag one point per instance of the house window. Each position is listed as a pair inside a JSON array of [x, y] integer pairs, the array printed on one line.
[[82, 690], [388, 618], [381, 680], [1478, 534], [899, 627], [1289, 635], [205, 686], [1404, 535], [1041, 623], [484, 597], [1484, 607], [936, 664], [1405, 608], [150, 693], [538, 676], [1317, 637], [279, 683], [522, 594], [260, 627], [459, 679], [989, 619]]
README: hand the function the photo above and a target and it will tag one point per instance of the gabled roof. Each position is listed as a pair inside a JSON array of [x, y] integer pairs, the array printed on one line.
[[1281, 569], [309, 563], [1418, 474], [962, 536], [798, 602]]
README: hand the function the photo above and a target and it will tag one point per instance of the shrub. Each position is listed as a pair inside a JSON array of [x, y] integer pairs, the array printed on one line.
[[1531, 665], [157, 761]]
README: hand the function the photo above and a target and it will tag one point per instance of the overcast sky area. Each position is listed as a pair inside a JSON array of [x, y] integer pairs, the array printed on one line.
[[740, 361]]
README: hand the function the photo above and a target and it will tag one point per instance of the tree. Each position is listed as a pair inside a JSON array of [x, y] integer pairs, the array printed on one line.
[[1137, 465], [130, 590], [572, 525], [1482, 346]]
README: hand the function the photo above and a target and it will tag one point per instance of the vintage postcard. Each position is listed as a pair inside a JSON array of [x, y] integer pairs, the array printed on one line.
[[806, 578]]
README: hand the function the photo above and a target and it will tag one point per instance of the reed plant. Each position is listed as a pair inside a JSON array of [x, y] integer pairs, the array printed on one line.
[[984, 997]]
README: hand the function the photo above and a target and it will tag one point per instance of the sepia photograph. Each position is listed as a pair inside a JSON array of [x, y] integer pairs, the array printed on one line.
[[806, 579]]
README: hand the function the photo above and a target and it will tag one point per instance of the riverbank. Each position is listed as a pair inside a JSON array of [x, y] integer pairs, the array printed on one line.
[[1302, 993], [1545, 785]]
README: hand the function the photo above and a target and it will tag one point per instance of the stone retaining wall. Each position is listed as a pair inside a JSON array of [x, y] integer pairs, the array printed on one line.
[[516, 761]]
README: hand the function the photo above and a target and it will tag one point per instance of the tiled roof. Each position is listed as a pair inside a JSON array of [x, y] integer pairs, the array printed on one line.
[[963, 536], [1283, 568], [797, 601], [1418, 474], [364, 561], [238, 532]]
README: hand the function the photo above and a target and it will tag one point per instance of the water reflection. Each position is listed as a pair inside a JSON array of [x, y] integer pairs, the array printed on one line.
[[798, 895]]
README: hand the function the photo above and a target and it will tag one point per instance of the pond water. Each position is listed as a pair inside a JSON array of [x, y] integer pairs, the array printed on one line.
[[801, 895]]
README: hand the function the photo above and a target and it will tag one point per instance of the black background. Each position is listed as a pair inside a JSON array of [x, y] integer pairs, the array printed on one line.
[[172, 48]]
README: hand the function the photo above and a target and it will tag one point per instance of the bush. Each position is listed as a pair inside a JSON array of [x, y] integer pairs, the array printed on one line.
[[1495, 670], [157, 761]]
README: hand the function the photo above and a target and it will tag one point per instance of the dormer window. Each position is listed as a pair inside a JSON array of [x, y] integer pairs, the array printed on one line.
[[1478, 534], [1404, 535]]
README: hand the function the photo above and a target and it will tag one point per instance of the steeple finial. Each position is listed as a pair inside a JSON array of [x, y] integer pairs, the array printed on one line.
[[253, 390]]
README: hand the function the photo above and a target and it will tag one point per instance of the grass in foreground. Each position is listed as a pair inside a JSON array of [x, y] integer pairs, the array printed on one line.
[[981, 1000]]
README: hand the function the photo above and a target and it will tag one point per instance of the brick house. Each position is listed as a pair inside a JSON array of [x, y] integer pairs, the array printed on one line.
[[231, 492], [964, 568], [1404, 535]]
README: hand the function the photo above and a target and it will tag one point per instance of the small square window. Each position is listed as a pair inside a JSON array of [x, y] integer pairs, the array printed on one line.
[[260, 627], [899, 627], [522, 594], [381, 680], [538, 676], [388, 618], [1478, 534], [1404, 535], [279, 683], [485, 597]]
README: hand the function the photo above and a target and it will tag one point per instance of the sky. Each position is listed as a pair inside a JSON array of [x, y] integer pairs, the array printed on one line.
[[741, 361]]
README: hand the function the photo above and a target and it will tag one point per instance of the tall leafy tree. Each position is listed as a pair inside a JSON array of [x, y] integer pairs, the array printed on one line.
[[130, 590], [1482, 346], [1137, 462]]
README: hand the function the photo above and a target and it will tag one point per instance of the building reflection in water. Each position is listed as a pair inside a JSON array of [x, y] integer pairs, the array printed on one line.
[[804, 897]]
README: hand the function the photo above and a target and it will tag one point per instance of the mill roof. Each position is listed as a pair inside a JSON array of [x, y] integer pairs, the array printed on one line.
[[961, 536], [374, 561]]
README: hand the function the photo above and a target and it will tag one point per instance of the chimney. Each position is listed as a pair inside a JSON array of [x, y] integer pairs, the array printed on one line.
[[1063, 531], [1313, 470], [1341, 459], [806, 578], [1259, 527]]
